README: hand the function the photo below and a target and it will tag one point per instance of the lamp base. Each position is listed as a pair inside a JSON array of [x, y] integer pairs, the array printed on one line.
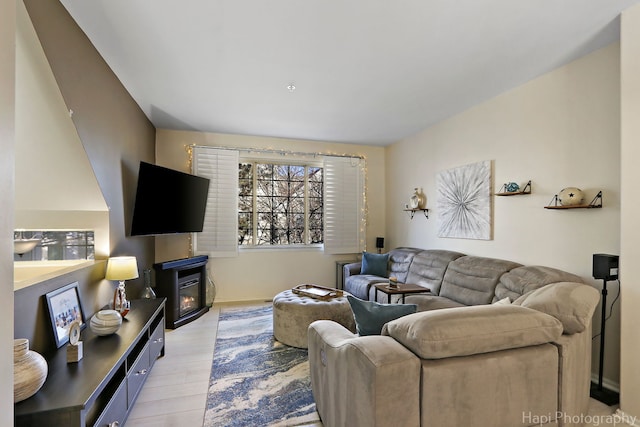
[[120, 302], [606, 396]]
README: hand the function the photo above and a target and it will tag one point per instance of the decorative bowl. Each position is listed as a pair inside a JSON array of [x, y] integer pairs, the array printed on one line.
[[105, 322]]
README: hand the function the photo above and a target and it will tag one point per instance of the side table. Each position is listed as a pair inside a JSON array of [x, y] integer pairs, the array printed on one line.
[[402, 289]]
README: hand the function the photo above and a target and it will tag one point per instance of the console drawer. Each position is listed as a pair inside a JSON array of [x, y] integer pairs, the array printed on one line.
[[116, 409], [156, 343], [137, 375]]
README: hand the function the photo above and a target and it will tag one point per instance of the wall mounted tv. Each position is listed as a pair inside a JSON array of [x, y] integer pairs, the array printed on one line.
[[168, 201]]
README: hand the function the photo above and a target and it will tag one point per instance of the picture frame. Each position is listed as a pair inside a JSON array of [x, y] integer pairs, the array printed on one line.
[[64, 307]]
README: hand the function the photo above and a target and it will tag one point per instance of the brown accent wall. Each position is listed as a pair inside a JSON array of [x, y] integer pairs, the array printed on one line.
[[113, 129]]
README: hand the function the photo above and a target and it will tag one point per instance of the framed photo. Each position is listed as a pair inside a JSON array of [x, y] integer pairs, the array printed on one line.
[[64, 308]]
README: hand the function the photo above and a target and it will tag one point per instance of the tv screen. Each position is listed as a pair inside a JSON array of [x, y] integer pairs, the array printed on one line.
[[168, 201]]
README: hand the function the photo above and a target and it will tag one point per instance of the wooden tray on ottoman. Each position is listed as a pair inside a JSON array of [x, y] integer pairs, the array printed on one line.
[[318, 292]]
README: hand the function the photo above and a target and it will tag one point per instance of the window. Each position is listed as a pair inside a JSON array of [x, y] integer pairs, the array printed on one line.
[[58, 245], [261, 202], [279, 204]]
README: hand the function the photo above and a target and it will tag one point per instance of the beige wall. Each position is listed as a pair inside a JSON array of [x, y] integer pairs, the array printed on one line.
[[55, 187], [630, 220], [260, 274], [7, 147], [559, 130]]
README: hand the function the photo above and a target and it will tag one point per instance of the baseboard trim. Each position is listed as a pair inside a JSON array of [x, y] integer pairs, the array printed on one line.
[[606, 383]]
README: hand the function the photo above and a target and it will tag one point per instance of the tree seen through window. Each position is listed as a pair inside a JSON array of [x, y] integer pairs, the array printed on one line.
[[279, 204]]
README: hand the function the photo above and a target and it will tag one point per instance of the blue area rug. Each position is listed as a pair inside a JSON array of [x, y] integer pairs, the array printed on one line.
[[256, 380]]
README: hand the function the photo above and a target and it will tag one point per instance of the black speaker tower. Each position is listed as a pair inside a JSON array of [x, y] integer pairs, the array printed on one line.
[[605, 267]]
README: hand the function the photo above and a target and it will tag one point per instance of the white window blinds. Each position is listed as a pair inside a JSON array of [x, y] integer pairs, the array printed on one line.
[[219, 237], [344, 202]]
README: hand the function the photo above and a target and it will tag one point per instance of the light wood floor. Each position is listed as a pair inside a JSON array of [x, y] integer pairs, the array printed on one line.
[[175, 393]]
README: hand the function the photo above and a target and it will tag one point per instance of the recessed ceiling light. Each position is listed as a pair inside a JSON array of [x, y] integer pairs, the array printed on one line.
[[291, 87]]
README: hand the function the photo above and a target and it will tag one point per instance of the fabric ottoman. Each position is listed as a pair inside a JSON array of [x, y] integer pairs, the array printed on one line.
[[292, 315]]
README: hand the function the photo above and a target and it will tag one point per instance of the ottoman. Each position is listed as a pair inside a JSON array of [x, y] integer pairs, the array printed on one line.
[[292, 315]]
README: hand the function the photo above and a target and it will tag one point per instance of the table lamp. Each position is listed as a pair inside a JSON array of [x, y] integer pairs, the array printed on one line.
[[121, 268]]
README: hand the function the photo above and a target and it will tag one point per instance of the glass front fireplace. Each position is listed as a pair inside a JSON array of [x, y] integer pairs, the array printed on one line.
[[183, 283], [189, 294]]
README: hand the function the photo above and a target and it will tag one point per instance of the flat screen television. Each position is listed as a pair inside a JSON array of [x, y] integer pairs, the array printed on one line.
[[168, 201]]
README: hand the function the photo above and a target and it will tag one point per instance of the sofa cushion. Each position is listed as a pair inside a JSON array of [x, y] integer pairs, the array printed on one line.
[[371, 316], [431, 302], [521, 280], [374, 264], [472, 280], [400, 259], [503, 301], [464, 331], [360, 284], [428, 267], [569, 302]]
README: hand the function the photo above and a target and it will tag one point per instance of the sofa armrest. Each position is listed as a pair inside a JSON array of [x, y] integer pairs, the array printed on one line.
[[351, 269], [372, 380], [464, 331]]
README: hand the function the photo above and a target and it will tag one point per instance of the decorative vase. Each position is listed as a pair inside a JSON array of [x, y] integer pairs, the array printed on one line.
[[105, 322], [30, 370], [210, 290], [418, 200], [147, 292]]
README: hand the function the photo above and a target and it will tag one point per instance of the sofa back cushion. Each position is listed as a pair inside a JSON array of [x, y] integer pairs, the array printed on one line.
[[521, 280], [465, 331], [399, 261], [571, 303], [472, 280], [428, 267]]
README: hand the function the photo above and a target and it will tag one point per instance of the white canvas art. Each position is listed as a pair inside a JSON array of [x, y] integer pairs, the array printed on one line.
[[464, 201]]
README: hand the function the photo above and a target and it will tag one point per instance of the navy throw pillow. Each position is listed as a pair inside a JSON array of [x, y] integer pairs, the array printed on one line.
[[374, 264], [371, 316]]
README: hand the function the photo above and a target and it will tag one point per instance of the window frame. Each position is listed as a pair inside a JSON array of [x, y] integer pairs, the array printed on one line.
[[267, 160]]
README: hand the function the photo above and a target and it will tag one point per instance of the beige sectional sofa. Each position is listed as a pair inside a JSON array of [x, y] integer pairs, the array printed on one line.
[[469, 356]]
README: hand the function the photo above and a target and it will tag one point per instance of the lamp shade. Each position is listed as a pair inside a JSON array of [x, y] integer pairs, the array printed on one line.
[[122, 268]]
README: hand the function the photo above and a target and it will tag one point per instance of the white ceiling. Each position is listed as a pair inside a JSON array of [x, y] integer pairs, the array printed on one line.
[[365, 71]]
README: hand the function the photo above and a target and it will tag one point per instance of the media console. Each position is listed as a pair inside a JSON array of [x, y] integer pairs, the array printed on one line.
[[100, 389]]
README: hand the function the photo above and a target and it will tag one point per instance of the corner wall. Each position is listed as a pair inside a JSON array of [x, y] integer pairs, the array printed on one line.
[[7, 147], [630, 220], [559, 130]]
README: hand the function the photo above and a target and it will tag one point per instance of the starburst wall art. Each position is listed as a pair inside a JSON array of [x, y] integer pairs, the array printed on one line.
[[464, 201]]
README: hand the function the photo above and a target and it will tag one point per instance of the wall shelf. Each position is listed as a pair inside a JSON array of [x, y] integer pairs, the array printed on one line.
[[525, 190], [412, 212], [595, 203]]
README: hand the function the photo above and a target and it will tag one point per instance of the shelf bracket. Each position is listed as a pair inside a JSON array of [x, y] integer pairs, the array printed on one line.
[[597, 201], [412, 212], [554, 201]]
